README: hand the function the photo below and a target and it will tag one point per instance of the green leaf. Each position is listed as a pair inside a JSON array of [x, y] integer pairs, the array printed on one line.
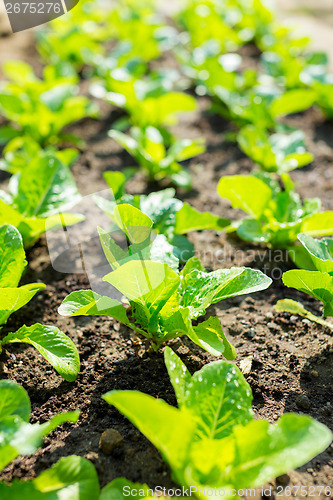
[[252, 230], [220, 399], [56, 347], [318, 285], [161, 207], [30, 228], [200, 289], [249, 281], [121, 488], [162, 251], [89, 303], [212, 338], [321, 252], [114, 254], [186, 148], [45, 187], [301, 257], [189, 219], [135, 224], [144, 281], [10, 105], [182, 248], [12, 299], [18, 437], [14, 401], [193, 264], [318, 224], [275, 153], [116, 182], [75, 477], [179, 375], [12, 256], [71, 478], [293, 307], [169, 429], [256, 453], [19, 71], [293, 101], [164, 109], [245, 192], [7, 133]]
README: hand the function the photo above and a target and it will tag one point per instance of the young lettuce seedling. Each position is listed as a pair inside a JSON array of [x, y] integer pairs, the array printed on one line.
[[21, 151], [212, 440], [275, 215], [40, 109], [212, 21], [37, 196], [71, 478], [279, 152], [163, 303], [54, 345], [147, 147], [171, 218], [17, 435], [149, 102], [315, 279]]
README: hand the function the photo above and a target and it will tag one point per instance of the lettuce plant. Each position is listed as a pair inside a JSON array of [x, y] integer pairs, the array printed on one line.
[[148, 101], [21, 151], [171, 218], [276, 215], [212, 440], [54, 345], [162, 302], [147, 146], [38, 193], [18, 436], [40, 109], [70, 478], [315, 279], [140, 29], [294, 70], [229, 25], [262, 105], [204, 21], [279, 152], [324, 96], [73, 41]]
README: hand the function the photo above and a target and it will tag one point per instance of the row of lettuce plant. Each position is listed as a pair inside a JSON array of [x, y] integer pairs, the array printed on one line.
[[211, 441], [165, 301]]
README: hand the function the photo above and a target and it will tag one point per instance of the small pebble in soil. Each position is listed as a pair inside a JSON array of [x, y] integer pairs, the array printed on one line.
[[109, 440], [302, 401], [283, 480], [251, 333], [314, 373], [272, 326]]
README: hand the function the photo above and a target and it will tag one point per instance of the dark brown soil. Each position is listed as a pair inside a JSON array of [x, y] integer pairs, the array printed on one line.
[[291, 357]]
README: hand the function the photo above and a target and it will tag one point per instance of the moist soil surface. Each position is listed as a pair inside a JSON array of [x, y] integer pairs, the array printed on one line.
[[290, 359]]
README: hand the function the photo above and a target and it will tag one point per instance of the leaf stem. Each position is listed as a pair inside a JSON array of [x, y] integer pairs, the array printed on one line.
[[293, 307]]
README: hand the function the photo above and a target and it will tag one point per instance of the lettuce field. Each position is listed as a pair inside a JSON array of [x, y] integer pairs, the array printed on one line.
[[166, 255]]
